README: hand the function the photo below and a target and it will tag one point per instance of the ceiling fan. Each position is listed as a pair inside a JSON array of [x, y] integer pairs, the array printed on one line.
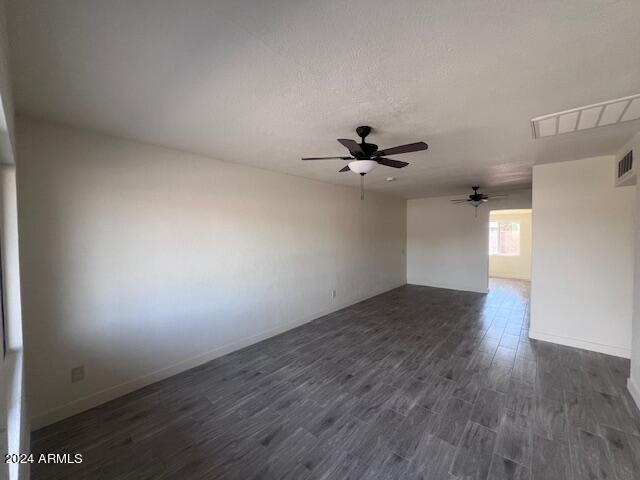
[[366, 156], [476, 198]]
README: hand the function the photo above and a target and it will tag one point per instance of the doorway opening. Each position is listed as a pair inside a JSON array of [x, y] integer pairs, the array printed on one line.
[[510, 245]]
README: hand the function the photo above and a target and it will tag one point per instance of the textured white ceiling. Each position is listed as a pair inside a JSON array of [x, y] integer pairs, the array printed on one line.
[[268, 82]]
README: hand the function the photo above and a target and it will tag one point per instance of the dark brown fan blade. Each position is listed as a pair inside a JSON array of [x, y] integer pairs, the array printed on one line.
[[410, 147], [327, 158], [344, 169], [351, 145], [391, 163]]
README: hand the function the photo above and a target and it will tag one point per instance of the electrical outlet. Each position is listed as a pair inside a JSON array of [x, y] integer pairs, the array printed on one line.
[[333, 294], [77, 374]]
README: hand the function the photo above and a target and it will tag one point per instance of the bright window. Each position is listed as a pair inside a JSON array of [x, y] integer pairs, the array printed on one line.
[[504, 238]]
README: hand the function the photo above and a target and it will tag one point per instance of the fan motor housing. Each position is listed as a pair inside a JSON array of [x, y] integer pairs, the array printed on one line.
[[363, 131], [368, 149]]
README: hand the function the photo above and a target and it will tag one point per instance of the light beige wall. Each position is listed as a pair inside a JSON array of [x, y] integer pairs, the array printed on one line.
[[139, 261], [14, 436], [448, 245], [516, 266], [582, 272], [634, 378]]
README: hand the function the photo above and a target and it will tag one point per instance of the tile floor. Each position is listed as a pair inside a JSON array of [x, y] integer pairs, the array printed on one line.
[[417, 383]]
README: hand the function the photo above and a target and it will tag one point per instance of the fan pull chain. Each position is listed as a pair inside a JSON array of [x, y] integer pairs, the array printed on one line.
[[361, 187]]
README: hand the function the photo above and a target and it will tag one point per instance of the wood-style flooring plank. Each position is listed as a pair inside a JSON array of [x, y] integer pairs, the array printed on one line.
[[418, 383]]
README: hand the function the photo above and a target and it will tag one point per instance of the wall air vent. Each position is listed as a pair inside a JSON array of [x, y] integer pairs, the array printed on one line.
[[625, 164], [625, 173], [590, 116], [625, 167]]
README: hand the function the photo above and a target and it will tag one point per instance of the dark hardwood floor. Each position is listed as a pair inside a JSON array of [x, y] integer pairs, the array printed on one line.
[[417, 383]]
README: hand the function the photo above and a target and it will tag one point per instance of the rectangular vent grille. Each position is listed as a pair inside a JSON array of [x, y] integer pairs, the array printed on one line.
[[590, 116], [625, 164]]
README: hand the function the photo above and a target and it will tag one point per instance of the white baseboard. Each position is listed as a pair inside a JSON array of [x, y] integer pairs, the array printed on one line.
[[40, 420], [634, 391], [507, 277], [584, 344]]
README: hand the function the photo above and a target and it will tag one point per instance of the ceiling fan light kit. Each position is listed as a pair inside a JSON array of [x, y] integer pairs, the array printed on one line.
[[366, 156], [362, 166]]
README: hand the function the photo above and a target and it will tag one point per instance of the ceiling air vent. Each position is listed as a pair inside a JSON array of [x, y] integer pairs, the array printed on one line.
[[590, 116]]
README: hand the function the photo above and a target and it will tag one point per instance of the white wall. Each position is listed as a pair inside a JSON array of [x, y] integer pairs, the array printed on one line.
[[447, 246], [139, 261], [513, 266], [11, 374], [582, 273], [14, 436], [634, 379]]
